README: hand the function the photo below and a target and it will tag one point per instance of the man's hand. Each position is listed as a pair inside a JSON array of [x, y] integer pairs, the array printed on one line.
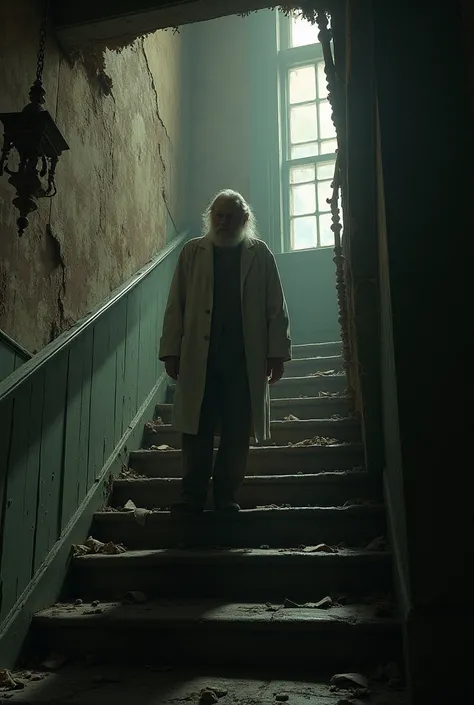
[[275, 369], [172, 367]]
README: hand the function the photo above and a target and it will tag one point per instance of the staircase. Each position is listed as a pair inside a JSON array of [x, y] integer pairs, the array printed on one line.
[[299, 581]]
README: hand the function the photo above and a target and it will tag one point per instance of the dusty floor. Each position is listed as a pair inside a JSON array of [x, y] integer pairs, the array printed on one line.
[[104, 686]]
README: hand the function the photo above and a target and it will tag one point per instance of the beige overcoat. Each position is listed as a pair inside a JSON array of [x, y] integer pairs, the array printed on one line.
[[187, 328]]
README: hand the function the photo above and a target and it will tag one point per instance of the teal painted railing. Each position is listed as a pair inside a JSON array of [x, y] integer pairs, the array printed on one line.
[[65, 413], [12, 355]]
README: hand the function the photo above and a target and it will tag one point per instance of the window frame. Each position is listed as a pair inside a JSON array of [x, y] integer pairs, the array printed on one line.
[[288, 58]]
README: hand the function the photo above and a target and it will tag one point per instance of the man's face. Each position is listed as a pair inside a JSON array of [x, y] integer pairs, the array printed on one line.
[[227, 218]]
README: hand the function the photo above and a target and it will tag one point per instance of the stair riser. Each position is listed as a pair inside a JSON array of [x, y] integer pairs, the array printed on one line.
[[356, 529], [260, 462], [245, 580], [306, 366], [340, 647], [160, 494], [282, 434], [295, 386], [316, 350], [318, 408]]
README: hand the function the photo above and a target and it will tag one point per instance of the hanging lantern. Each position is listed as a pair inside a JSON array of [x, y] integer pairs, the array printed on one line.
[[34, 135]]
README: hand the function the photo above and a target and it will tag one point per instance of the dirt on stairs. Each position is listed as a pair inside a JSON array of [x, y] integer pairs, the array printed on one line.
[[299, 581]]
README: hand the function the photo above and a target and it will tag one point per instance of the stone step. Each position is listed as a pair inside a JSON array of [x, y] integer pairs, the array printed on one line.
[[299, 367], [283, 432], [355, 525], [271, 460], [303, 408], [219, 633], [310, 386], [322, 490], [148, 684], [316, 350], [239, 574]]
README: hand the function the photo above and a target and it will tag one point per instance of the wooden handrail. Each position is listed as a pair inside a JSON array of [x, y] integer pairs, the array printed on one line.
[[9, 385], [16, 347]]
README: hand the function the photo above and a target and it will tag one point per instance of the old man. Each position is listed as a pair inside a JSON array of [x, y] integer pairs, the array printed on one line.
[[225, 338]]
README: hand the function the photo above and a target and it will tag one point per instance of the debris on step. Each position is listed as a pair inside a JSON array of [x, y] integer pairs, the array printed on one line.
[[78, 602], [9, 682], [316, 441], [349, 680], [162, 447], [139, 513], [54, 661], [95, 546], [322, 373], [108, 508], [129, 474], [319, 548], [282, 697], [134, 597], [211, 695], [290, 417], [154, 425], [264, 547], [323, 604], [378, 544]]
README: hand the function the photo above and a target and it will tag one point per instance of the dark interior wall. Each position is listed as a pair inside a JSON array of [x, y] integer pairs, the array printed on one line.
[[233, 71], [427, 209]]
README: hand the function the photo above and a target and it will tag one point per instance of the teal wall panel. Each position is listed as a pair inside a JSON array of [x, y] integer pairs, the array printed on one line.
[[63, 414]]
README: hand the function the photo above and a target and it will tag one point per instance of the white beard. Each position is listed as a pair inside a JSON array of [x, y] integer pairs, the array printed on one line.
[[225, 239]]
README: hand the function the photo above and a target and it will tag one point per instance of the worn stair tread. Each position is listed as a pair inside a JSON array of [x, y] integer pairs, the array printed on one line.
[[320, 478], [328, 424], [282, 432], [212, 613], [267, 513], [220, 557], [290, 450], [141, 685]]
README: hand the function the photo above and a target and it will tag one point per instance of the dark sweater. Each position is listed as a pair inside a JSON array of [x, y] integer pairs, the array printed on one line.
[[227, 337]]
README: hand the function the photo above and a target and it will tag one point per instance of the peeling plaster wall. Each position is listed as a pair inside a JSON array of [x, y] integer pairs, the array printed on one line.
[[119, 186]]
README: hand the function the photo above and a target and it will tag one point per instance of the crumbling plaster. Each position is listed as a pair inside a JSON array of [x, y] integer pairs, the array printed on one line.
[[118, 186]]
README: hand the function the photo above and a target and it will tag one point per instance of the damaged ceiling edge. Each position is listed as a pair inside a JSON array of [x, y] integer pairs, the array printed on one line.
[[122, 30]]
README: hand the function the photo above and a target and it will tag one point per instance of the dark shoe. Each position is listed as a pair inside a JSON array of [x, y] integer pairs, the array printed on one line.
[[228, 507], [183, 507]]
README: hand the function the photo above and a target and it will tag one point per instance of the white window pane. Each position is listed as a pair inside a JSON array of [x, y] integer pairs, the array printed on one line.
[[302, 84], [322, 81], [325, 171], [303, 124], [326, 235], [302, 199], [302, 32], [326, 124], [324, 192], [303, 233], [300, 174], [304, 150], [328, 146]]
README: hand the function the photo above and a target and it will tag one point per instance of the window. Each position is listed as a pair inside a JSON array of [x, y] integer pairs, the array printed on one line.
[[308, 136]]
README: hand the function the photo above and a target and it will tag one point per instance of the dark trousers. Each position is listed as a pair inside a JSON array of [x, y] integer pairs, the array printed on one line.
[[226, 402]]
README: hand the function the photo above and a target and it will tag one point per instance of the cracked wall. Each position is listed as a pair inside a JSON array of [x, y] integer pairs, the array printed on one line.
[[120, 187]]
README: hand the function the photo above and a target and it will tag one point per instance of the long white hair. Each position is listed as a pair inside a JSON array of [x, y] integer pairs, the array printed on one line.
[[249, 230]]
